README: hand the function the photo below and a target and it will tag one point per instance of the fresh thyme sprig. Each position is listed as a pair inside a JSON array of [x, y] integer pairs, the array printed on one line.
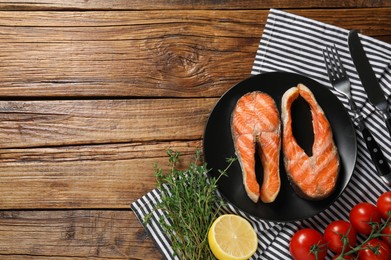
[[190, 202]]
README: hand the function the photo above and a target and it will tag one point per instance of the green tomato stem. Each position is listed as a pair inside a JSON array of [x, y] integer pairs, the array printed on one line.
[[375, 232]]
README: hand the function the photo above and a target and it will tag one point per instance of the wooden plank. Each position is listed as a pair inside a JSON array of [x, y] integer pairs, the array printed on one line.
[[74, 234], [182, 4], [99, 176], [150, 53], [75, 122], [183, 54]]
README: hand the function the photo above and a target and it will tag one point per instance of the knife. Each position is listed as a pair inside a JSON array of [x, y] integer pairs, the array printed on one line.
[[368, 77], [382, 168]]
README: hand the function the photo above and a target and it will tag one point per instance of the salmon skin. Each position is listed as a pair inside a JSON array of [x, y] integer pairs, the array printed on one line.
[[255, 122], [312, 177]]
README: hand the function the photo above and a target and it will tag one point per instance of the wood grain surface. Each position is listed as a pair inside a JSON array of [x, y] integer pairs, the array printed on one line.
[[86, 176], [94, 92], [185, 4], [192, 53], [76, 234], [77, 122]]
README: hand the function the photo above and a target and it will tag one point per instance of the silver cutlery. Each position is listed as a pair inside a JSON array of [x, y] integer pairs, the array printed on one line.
[[340, 82], [368, 78]]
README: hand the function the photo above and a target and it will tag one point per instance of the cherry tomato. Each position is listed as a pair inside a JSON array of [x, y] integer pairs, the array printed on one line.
[[338, 231], [384, 204], [305, 243], [374, 249], [362, 214], [387, 231]]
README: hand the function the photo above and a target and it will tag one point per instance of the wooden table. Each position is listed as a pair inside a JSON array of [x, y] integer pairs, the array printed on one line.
[[93, 93]]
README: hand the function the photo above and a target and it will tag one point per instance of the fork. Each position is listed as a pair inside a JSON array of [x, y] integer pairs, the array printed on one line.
[[340, 82]]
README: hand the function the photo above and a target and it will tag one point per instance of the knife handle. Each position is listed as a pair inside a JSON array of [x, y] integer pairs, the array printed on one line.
[[377, 156]]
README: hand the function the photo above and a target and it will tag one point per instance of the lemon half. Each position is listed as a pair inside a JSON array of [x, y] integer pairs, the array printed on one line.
[[232, 237]]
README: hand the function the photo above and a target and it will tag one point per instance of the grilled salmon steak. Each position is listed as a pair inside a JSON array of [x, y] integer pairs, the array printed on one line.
[[255, 125], [312, 177]]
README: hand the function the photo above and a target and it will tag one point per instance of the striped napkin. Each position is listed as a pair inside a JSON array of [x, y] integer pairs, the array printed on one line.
[[294, 44]]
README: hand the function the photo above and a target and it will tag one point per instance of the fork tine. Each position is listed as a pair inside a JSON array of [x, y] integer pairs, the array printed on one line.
[[333, 63], [328, 62], [337, 74], [337, 60]]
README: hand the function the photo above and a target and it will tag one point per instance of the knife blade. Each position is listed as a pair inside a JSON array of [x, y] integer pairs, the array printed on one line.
[[368, 78]]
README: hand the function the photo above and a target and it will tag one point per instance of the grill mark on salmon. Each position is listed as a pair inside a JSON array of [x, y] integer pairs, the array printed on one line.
[[312, 177], [255, 123]]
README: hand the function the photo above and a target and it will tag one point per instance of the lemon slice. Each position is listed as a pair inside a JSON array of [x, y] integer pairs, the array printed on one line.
[[232, 237]]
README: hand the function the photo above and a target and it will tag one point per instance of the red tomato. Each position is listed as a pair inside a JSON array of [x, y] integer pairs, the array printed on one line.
[[384, 204], [387, 231], [304, 244], [374, 249], [362, 214], [338, 231]]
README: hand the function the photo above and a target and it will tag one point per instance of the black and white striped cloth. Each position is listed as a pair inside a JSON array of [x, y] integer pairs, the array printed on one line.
[[294, 44]]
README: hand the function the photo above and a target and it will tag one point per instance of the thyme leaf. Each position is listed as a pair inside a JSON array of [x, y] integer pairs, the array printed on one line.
[[190, 203]]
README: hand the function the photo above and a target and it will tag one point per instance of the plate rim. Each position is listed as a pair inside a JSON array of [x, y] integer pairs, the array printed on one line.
[[351, 126]]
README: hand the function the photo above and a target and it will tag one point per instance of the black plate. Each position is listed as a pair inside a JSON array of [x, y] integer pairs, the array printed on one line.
[[218, 146]]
